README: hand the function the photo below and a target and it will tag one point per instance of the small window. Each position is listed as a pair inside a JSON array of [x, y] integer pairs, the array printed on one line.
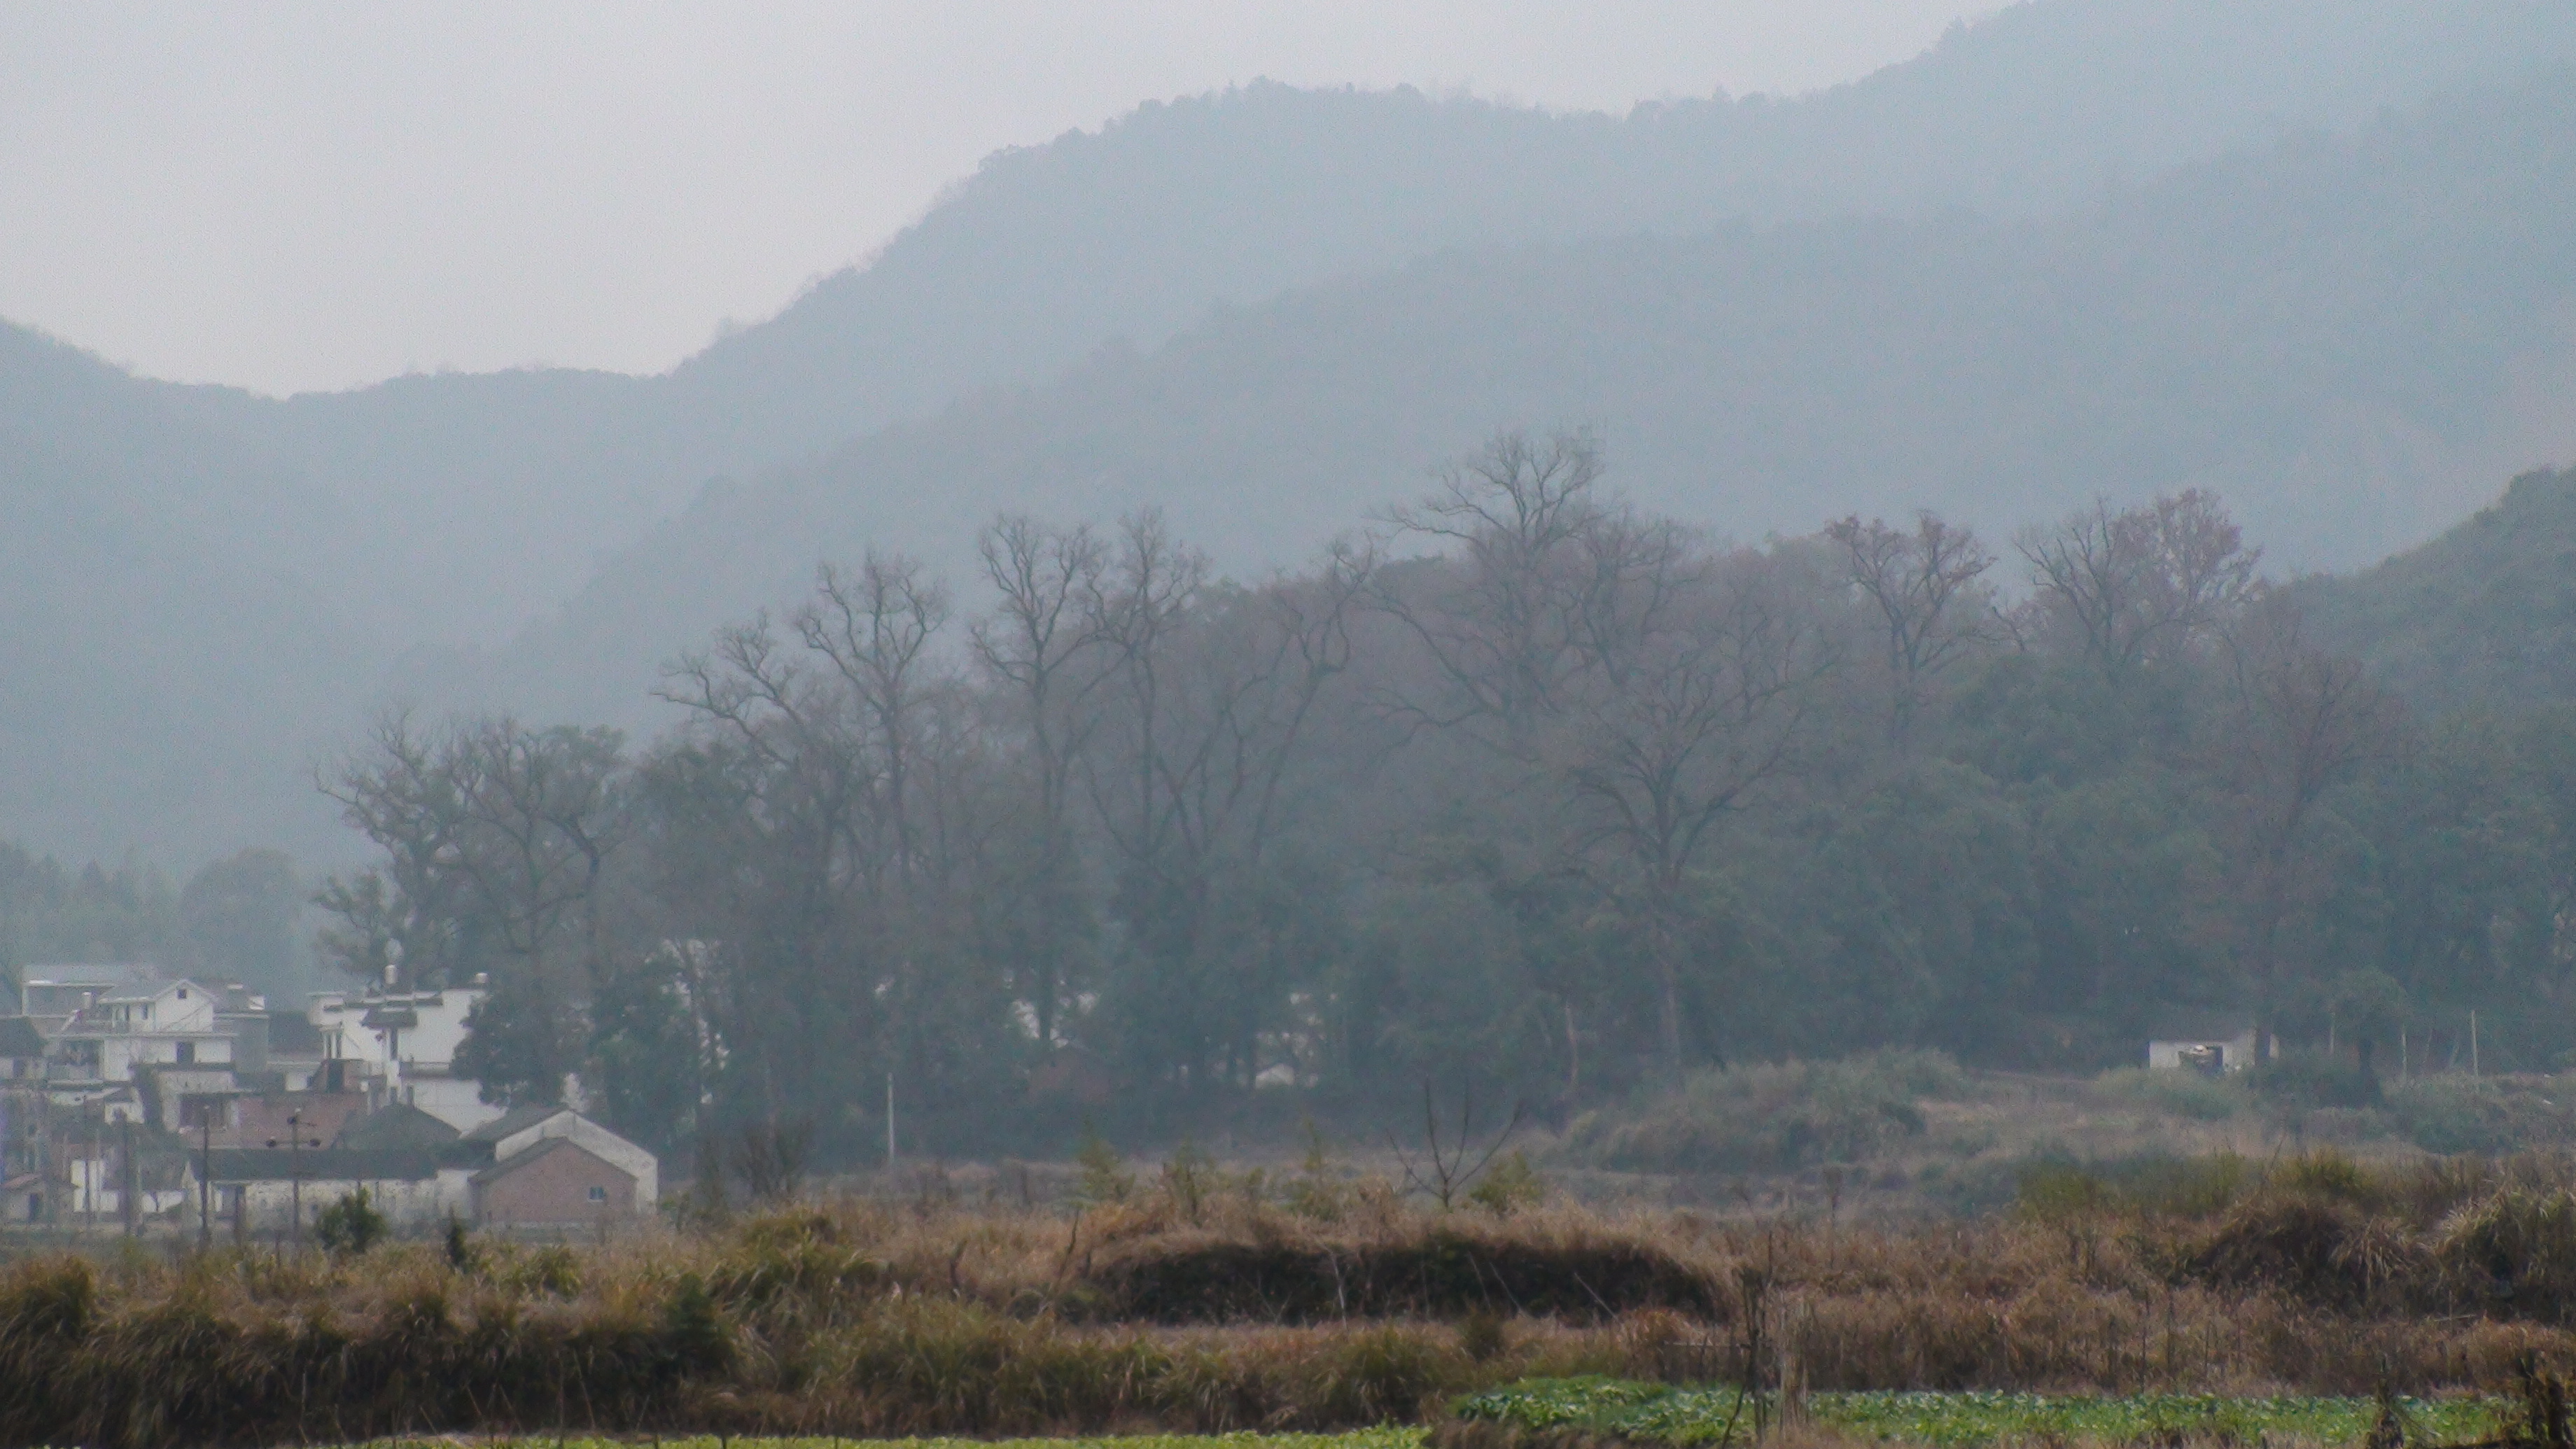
[[183, 993], [187, 1053], [599, 1194]]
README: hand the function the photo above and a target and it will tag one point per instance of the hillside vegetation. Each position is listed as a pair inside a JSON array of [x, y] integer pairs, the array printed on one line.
[[2484, 614]]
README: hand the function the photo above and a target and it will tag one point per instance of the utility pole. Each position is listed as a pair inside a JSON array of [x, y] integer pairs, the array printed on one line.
[[295, 1171], [128, 1180], [205, 1181]]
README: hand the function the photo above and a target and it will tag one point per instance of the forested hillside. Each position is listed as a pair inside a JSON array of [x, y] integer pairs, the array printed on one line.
[[2484, 616], [210, 586]]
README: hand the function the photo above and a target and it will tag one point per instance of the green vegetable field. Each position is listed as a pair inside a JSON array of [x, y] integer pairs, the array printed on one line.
[[1661, 1414]]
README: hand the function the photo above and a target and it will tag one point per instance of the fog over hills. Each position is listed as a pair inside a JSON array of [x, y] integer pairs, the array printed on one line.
[[1965, 282]]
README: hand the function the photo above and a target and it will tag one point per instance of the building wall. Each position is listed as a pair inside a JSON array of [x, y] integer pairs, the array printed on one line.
[[456, 1101], [598, 1141], [432, 1043], [271, 1205], [556, 1188], [256, 1120]]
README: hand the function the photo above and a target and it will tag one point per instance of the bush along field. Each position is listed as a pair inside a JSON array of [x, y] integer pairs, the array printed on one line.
[[1217, 1305]]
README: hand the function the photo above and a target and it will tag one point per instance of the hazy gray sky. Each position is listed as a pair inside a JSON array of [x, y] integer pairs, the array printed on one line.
[[293, 196]]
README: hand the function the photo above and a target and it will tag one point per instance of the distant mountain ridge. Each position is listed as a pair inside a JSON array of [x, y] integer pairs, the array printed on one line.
[[286, 564], [2350, 340], [515, 483]]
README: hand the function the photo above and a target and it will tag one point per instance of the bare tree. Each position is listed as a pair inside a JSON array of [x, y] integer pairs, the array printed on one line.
[[1926, 585], [497, 841], [822, 773], [2133, 586], [1509, 627], [875, 630], [1211, 693], [1443, 1169], [402, 793], [1043, 644], [1712, 712]]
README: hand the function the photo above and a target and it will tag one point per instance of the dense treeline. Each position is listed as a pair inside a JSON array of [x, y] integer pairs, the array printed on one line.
[[235, 918], [1529, 789]]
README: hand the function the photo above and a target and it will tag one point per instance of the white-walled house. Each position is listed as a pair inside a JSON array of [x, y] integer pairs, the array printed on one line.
[[417, 1171], [262, 1187], [52, 995], [406, 1043]]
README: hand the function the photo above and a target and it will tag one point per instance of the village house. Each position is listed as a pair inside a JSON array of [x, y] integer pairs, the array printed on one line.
[[526, 1129], [52, 995], [401, 1045], [542, 1167], [279, 1110], [556, 1183]]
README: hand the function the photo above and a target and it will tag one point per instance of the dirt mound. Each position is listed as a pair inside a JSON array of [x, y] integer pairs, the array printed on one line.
[[1442, 1275]]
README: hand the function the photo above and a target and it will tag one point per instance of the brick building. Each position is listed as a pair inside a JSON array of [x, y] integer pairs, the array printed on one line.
[[557, 1183]]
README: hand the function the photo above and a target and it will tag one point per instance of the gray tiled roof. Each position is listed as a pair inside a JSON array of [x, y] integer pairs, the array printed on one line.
[[320, 1164], [512, 1122]]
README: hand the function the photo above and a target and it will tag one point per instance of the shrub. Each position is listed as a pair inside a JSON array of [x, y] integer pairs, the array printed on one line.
[[2313, 1079], [2324, 1172], [1509, 1185], [1481, 1336], [1104, 1178], [352, 1225], [1316, 1192], [457, 1246], [2052, 1189], [1190, 1178], [1374, 1376]]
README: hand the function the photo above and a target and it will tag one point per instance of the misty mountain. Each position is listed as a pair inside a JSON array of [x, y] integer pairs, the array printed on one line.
[[1271, 309], [480, 501], [2350, 340], [174, 649], [1049, 251]]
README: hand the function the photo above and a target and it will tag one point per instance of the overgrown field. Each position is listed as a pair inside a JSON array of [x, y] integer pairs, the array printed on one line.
[[1331, 1306], [1912, 1133]]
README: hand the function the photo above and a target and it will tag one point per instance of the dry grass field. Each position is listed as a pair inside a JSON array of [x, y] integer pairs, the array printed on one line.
[[1210, 1303]]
